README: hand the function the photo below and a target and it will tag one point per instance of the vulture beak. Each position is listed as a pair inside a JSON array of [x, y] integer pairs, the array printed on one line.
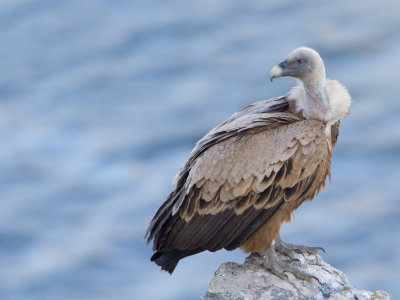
[[277, 71]]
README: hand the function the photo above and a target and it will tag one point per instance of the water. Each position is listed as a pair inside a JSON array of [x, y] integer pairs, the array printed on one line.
[[102, 101]]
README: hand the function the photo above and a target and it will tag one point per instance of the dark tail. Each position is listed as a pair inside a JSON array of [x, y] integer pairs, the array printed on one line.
[[169, 259]]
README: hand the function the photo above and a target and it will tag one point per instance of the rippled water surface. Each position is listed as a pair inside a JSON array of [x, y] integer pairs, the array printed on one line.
[[102, 101]]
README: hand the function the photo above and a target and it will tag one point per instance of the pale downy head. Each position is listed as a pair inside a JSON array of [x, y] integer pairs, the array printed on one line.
[[319, 98], [302, 63]]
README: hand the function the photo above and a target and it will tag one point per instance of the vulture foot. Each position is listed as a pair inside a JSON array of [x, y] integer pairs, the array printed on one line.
[[270, 260], [288, 249]]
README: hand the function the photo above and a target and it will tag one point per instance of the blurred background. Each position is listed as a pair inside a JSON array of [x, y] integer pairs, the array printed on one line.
[[102, 101]]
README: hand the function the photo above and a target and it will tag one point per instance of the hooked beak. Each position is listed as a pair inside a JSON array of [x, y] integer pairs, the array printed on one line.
[[277, 71]]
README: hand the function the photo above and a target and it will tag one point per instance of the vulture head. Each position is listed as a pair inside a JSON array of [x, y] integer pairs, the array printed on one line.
[[319, 98], [302, 63]]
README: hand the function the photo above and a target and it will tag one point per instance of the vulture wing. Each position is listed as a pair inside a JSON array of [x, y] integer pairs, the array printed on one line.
[[256, 167]]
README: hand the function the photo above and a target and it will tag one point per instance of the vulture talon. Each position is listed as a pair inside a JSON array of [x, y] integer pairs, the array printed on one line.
[[292, 260], [278, 267], [288, 249]]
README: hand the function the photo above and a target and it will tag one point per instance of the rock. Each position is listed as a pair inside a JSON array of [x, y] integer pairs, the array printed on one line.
[[252, 281]]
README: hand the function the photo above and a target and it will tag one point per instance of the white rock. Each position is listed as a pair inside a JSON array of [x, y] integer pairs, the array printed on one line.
[[251, 281]]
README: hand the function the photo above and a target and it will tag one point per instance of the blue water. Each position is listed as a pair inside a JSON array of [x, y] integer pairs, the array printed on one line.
[[102, 101]]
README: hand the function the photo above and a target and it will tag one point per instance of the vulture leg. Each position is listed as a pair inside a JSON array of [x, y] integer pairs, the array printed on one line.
[[288, 249], [270, 260]]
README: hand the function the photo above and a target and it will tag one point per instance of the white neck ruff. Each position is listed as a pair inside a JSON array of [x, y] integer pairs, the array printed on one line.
[[331, 109]]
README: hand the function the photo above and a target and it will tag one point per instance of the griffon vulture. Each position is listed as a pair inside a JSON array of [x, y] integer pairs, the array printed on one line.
[[246, 176]]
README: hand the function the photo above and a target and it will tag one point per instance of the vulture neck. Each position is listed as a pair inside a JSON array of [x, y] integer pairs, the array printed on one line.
[[316, 102]]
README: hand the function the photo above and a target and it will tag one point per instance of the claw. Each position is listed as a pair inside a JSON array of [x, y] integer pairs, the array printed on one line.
[[287, 248], [294, 259], [278, 267]]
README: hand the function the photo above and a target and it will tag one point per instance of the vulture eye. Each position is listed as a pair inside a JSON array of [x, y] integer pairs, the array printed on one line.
[[299, 61]]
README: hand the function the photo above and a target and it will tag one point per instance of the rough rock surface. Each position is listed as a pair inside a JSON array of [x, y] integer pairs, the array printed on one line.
[[253, 281]]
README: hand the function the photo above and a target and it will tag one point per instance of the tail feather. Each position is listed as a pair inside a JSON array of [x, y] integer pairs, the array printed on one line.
[[168, 260]]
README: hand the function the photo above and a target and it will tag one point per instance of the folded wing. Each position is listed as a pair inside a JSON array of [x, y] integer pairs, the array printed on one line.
[[261, 161]]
